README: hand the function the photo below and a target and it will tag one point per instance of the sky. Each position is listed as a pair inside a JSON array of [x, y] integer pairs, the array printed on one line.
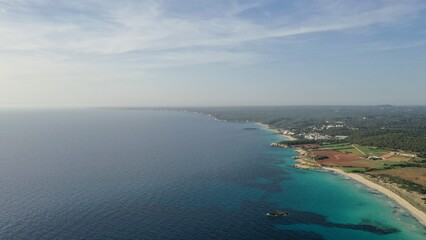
[[212, 52]]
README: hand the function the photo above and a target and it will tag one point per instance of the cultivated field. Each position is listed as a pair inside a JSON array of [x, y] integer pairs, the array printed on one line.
[[415, 175], [336, 158], [339, 146], [347, 159], [357, 150], [372, 151]]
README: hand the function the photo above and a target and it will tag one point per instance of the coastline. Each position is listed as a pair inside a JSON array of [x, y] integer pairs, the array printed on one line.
[[418, 214], [287, 137], [267, 127]]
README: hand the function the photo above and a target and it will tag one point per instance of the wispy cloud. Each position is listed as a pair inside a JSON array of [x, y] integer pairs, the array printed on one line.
[[116, 27], [147, 48]]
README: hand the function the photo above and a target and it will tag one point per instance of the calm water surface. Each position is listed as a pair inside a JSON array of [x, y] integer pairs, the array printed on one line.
[[142, 174]]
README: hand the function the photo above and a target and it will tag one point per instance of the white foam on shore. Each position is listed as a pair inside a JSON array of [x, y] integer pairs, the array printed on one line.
[[419, 215]]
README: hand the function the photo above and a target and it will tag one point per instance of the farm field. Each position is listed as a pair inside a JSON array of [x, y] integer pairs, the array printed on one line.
[[357, 150], [347, 159], [415, 175], [372, 150], [339, 146], [398, 158], [337, 158], [353, 151]]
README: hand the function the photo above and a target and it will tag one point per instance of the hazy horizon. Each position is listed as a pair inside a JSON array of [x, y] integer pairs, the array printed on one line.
[[188, 107], [211, 53]]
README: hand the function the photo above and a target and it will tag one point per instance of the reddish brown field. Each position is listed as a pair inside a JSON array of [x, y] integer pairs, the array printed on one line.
[[415, 175], [336, 159]]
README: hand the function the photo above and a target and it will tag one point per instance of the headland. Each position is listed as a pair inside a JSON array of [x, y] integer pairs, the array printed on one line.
[[351, 164]]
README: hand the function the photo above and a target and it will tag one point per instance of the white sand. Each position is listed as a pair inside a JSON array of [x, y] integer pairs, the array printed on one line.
[[419, 215], [288, 137]]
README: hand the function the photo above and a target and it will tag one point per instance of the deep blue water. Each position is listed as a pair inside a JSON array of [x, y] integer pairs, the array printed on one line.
[[142, 174]]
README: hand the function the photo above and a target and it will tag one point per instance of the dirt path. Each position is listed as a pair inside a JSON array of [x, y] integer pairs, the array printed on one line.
[[363, 153]]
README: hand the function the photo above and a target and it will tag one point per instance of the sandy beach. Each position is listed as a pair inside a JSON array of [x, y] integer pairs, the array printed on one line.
[[288, 137], [419, 215], [267, 127]]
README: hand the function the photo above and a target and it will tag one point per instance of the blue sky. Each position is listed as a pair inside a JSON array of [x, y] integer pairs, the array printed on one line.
[[212, 52]]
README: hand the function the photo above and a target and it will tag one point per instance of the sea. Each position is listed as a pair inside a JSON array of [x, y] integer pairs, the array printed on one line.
[[157, 174]]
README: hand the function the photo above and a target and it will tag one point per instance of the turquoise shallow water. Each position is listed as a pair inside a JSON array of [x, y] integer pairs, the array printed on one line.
[[142, 174], [342, 200]]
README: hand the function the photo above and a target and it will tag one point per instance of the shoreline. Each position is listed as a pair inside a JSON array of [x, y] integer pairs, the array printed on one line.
[[287, 137], [415, 212]]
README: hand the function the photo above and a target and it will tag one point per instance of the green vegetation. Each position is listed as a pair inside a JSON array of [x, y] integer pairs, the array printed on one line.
[[389, 127], [372, 150], [382, 167], [407, 164], [354, 169], [362, 131], [409, 140], [299, 142], [338, 146], [355, 152], [410, 186], [359, 151], [320, 157]]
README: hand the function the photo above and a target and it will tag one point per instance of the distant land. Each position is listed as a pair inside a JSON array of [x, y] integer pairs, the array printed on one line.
[[385, 145], [384, 126]]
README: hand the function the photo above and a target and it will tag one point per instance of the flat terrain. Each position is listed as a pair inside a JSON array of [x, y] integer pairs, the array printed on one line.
[[372, 151], [415, 175], [309, 146], [349, 156], [338, 146], [357, 150], [398, 158], [337, 158]]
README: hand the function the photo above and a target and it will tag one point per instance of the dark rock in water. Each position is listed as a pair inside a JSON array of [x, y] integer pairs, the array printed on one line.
[[250, 128], [277, 214]]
